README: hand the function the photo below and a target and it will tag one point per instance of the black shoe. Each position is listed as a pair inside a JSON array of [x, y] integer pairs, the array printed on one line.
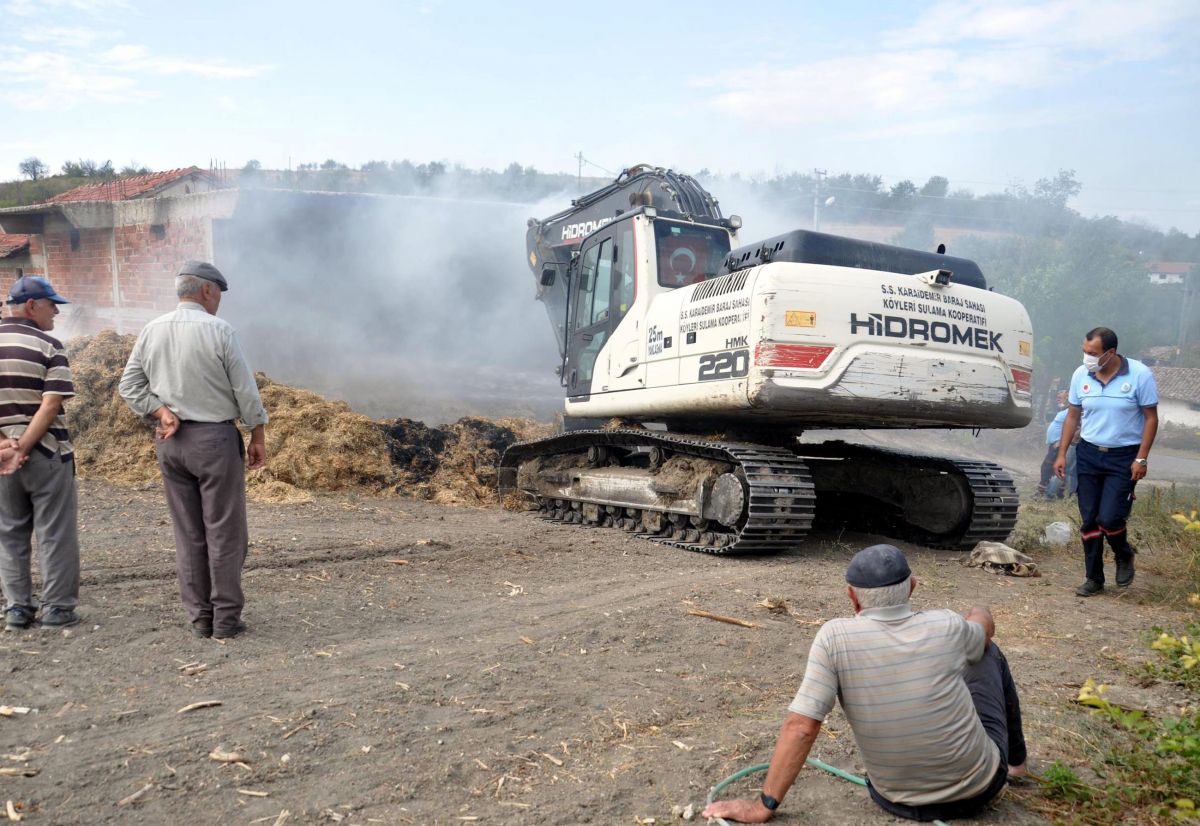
[[202, 631], [1089, 588], [54, 617], [229, 633], [1125, 570], [18, 617]]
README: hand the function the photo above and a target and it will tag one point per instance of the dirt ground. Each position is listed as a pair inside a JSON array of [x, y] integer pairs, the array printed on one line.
[[414, 663]]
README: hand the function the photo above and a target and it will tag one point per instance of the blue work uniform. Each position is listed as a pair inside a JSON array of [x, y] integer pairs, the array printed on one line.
[[1110, 436], [1046, 486]]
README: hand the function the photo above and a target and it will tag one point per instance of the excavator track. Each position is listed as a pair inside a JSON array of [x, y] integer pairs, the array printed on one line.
[[935, 501], [778, 506]]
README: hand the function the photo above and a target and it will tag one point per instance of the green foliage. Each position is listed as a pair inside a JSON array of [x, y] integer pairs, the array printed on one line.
[[1060, 781], [1147, 766], [1178, 661]]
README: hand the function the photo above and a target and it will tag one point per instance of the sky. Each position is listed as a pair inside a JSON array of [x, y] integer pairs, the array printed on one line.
[[988, 94]]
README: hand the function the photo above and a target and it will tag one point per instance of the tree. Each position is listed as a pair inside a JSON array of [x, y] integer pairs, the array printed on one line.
[[936, 187], [33, 168], [87, 169], [252, 166], [1059, 189], [134, 168], [904, 189]]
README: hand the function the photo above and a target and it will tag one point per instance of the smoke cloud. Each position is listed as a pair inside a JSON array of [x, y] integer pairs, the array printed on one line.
[[403, 306]]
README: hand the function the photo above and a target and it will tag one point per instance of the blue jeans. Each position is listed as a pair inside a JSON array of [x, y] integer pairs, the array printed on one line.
[[1105, 500], [1058, 487]]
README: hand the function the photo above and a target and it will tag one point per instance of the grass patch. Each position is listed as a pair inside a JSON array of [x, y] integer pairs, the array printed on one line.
[[1166, 547], [1147, 768]]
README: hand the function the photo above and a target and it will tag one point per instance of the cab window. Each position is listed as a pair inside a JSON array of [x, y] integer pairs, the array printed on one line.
[[688, 253]]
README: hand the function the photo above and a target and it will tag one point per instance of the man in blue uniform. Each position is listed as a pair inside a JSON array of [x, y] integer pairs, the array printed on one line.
[[1118, 401], [1047, 486]]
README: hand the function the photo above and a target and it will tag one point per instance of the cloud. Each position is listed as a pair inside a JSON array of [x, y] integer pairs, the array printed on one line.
[[134, 58], [31, 8], [65, 77], [40, 80], [959, 56], [64, 37]]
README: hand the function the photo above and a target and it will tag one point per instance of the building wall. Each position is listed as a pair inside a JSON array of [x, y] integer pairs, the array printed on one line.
[[121, 273]]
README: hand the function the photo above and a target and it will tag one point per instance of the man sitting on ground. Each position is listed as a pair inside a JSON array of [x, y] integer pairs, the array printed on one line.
[[928, 695]]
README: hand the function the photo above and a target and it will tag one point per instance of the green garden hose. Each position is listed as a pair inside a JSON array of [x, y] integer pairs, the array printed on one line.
[[762, 767]]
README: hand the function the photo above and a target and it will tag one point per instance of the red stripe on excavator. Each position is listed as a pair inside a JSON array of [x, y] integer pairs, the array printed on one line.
[[795, 356], [1022, 379]]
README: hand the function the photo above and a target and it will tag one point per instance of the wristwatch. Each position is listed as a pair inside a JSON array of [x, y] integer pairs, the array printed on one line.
[[1141, 462], [771, 803]]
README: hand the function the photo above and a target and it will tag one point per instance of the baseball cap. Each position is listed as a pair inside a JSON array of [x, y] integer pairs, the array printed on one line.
[[205, 270], [877, 567], [31, 288]]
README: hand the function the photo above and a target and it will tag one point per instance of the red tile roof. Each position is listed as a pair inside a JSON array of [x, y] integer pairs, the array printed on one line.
[[1182, 383], [1171, 267], [124, 189], [12, 244]]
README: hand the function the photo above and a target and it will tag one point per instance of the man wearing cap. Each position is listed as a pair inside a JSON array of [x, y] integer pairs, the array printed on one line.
[[188, 376], [928, 695], [35, 379], [1114, 405]]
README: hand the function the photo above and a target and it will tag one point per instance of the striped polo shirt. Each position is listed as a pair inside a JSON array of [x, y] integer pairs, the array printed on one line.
[[33, 363], [898, 675]]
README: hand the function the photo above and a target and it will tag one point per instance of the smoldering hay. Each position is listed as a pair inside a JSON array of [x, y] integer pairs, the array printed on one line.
[[314, 444]]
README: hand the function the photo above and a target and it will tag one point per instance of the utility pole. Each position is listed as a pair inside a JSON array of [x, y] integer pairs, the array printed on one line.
[[1190, 279], [579, 175], [818, 176]]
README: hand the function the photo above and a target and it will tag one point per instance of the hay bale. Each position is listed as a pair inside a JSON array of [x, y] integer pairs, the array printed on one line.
[[110, 442], [313, 443]]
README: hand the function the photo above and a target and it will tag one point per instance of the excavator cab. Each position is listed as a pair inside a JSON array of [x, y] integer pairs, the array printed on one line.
[[605, 282]]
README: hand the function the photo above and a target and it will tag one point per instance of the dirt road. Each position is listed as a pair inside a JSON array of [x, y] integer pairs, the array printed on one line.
[[409, 663]]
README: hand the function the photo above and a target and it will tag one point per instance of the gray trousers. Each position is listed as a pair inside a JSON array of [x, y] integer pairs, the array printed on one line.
[[40, 497], [204, 477]]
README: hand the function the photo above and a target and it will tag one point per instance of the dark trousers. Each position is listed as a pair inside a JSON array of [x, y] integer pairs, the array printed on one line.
[[995, 696], [1105, 499], [204, 479], [1047, 469], [40, 498]]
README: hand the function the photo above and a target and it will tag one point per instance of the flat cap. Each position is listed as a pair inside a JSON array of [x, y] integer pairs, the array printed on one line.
[[877, 567], [205, 270]]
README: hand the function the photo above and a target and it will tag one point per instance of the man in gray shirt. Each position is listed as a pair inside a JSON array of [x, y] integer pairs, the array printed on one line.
[[187, 374], [928, 695]]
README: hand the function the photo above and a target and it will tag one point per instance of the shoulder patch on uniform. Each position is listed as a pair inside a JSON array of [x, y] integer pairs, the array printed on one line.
[[1085, 387], [1126, 387]]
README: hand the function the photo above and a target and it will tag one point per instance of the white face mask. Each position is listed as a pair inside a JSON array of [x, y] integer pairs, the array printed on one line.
[[1092, 363]]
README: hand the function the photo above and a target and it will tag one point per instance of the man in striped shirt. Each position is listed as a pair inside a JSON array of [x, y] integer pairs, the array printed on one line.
[[928, 695], [35, 379]]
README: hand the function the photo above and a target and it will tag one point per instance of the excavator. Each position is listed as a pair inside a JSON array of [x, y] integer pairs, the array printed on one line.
[[692, 364]]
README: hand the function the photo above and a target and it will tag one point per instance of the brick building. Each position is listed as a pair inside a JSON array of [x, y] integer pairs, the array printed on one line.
[[113, 247]]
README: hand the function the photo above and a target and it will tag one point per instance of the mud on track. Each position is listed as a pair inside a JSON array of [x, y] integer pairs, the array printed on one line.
[[510, 671]]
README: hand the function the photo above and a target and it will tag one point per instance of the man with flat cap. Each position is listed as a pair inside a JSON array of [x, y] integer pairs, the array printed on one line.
[[927, 693], [188, 376], [37, 488]]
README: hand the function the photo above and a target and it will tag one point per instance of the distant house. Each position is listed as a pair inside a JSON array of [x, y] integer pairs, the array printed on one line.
[[15, 258], [1169, 272], [1178, 395]]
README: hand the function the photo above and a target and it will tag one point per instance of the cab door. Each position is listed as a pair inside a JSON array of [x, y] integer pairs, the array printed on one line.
[[591, 315]]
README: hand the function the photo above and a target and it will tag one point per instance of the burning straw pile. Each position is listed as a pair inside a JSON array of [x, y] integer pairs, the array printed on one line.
[[313, 443]]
